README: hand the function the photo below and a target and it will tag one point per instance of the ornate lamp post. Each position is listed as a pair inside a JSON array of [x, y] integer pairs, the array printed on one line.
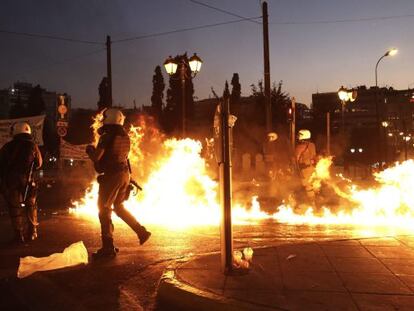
[[171, 66], [390, 52], [345, 95]]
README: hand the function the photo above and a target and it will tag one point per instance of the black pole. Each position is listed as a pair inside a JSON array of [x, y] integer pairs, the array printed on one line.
[[183, 69], [266, 67], [377, 112], [226, 235], [109, 69]]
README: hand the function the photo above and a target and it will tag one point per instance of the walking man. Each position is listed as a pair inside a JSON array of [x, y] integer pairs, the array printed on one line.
[[111, 162]]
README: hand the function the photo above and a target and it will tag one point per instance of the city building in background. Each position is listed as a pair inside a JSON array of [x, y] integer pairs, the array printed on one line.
[[393, 114], [19, 95]]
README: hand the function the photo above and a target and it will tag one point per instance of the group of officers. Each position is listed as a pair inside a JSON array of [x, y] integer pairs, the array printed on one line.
[[21, 156], [283, 162]]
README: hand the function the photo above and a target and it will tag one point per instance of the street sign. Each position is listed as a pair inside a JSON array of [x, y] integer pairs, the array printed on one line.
[[62, 131], [62, 123]]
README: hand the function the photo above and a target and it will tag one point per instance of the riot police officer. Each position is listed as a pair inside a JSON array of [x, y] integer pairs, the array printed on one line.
[[111, 161], [18, 159], [305, 156]]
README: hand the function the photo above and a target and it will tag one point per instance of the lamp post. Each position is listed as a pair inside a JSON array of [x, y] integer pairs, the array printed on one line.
[[345, 95], [390, 52], [171, 66], [385, 124]]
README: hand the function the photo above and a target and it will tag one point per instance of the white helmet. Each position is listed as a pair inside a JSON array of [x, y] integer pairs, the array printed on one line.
[[20, 128], [113, 116], [304, 134], [272, 136]]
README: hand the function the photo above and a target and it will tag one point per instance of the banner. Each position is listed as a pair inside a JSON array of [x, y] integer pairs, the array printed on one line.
[[72, 152], [36, 123]]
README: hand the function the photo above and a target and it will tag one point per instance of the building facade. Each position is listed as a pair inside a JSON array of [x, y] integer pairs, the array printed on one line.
[[380, 120], [16, 100]]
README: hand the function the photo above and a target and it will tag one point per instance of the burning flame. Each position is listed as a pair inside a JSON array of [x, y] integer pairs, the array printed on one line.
[[178, 191], [389, 203]]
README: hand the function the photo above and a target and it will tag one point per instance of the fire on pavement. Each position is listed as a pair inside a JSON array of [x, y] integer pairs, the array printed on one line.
[[178, 191]]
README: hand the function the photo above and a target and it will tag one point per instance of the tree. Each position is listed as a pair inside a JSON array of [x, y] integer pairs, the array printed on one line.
[[36, 105], [259, 116], [226, 92], [158, 86], [279, 100], [104, 100], [173, 110], [236, 89], [280, 103]]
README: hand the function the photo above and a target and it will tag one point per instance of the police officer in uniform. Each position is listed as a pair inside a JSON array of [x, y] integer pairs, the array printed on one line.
[[111, 161], [305, 156], [18, 159]]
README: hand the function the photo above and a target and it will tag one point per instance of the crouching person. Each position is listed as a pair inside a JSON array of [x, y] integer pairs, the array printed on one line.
[[18, 160], [111, 161]]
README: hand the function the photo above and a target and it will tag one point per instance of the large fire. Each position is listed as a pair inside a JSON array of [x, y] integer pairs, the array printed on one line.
[[179, 192]]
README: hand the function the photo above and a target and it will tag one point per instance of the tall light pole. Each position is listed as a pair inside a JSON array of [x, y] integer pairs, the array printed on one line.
[[385, 124], [171, 66], [266, 57], [109, 70], [390, 52], [345, 95]]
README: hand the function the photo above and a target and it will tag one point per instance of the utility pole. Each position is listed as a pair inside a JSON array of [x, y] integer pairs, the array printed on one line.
[[293, 123], [109, 69], [266, 67], [183, 69], [328, 133]]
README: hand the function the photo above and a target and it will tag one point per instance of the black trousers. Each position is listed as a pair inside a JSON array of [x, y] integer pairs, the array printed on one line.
[[23, 218], [113, 189]]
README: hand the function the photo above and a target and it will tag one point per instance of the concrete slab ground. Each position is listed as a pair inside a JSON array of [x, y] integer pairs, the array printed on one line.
[[358, 274]]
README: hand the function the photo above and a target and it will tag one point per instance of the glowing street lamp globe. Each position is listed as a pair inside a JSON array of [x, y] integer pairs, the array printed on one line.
[[391, 52], [170, 66], [195, 63], [343, 94]]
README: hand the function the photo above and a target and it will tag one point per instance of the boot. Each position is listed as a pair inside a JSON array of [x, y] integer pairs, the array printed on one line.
[[107, 251], [33, 233], [143, 235], [18, 238]]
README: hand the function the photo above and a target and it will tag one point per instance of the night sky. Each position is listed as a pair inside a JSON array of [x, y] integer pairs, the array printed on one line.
[[307, 52]]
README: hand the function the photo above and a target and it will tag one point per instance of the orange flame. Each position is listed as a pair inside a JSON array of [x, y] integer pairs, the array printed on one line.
[[178, 192]]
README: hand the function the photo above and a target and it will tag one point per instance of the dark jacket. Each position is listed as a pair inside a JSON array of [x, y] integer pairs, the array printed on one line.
[[115, 143], [17, 156]]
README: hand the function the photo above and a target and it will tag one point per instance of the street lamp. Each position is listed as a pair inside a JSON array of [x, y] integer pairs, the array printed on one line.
[[345, 95], [390, 52], [385, 124], [171, 66]]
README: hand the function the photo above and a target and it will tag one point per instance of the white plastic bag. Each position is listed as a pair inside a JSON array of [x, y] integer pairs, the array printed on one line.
[[73, 255]]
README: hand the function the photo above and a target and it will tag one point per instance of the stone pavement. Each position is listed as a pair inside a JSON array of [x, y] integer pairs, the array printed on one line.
[[357, 274]]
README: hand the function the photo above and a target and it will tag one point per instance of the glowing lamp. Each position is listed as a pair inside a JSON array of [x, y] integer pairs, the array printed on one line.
[[195, 63], [170, 66], [391, 52], [343, 94]]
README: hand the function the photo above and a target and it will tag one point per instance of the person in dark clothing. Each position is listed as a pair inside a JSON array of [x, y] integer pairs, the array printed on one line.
[[111, 162], [18, 159]]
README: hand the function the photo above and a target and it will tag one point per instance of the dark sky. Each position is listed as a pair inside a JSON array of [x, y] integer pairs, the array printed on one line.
[[308, 57]]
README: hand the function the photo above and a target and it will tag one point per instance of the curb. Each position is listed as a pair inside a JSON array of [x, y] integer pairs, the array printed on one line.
[[176, 295]]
